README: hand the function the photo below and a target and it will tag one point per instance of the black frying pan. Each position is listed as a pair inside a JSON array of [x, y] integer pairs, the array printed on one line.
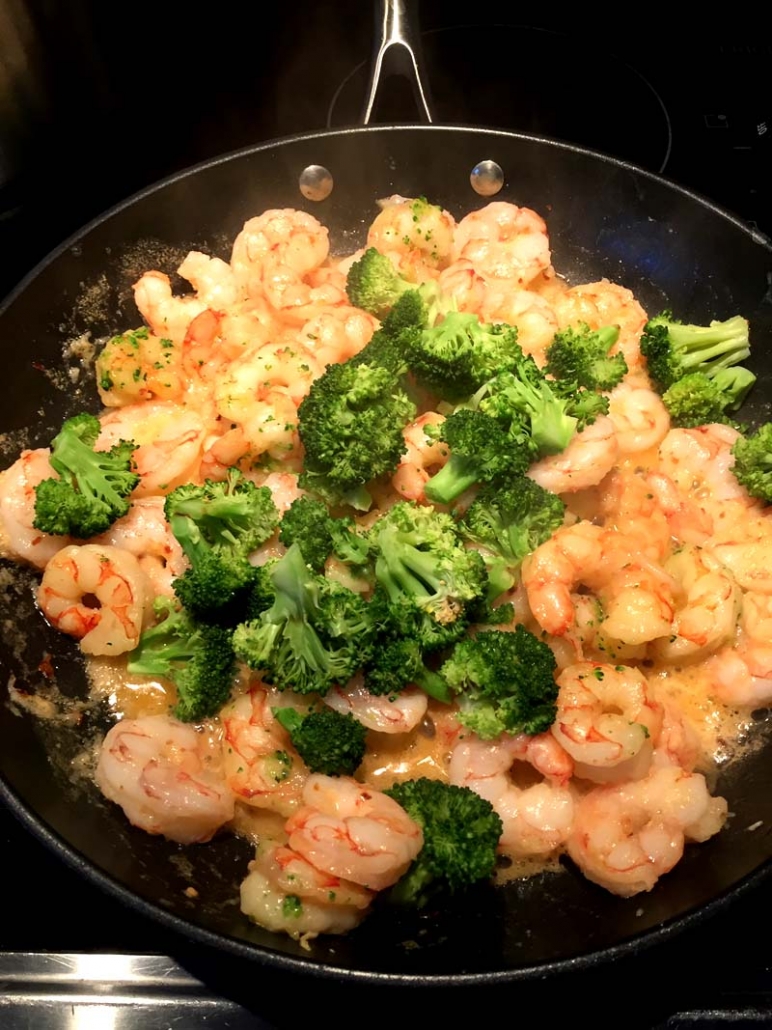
[[605, 218]]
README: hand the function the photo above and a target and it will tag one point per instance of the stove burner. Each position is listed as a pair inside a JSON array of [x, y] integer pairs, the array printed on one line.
[[529, 80]]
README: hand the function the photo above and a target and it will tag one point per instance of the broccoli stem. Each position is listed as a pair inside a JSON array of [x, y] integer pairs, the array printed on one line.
[[457, 475]]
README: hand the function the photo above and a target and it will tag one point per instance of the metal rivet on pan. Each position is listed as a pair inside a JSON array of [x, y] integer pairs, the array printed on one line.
[[315, 182], [487, 178]]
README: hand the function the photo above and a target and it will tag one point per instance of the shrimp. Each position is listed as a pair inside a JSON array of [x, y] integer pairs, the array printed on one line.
[[211, 278], [636, 593], [138, 366], [708, 617], [424, 456], [503, 242], [626, 836], [417, 235], [589, 457], [98, 594], [260, 765], [400, 715], [168, 316], [145, 533], [677, 743], [630, 506], [350, 830], [742, 541], [536, 819], [215, 338], [688, 523], [169, 443], [461, 282], [164, 777], [601, 304], [533, 316], [743, 675], [284, 488], [605, 717], [18, 537], [284, 892], [699, 462], [337, 335], [280, 240], [640, 418]]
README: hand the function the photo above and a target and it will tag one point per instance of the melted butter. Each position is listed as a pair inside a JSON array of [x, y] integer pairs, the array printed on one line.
[[129, 696]]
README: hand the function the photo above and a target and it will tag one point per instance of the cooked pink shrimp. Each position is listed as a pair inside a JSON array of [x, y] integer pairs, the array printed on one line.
[[284, 892], [677, 742], [636, 593], [503, 242], [337, 335], [19, 539], [98, 594], [417, 235], [350, 830], [168, 316], [215, 338], [423, 458], [606, 714], [260, 765], [640, 418], [160, 772], [279, 239], [536, 819], [145, 533], [461, 282], [699, 462], [380, 713], [589, 457], [138, 366], [533, 316], [688, 522], [708, 616], [169, 440], [211, 278], [742, 541], [600, 304], [629, 505], [743, 675], [284, 488], [626, 836]]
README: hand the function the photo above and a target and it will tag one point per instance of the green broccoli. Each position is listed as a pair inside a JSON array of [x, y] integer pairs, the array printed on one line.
[[308, 523], [351, 426], [753, 462], [697, 399], [93, 486], [461, 834], [454, 359], [327, 741], [505, 681], [426, 573], [512, 519], [197, 658], [218, 525], [581, 355], [674, 349], [481, 450], [374, 285], [315, 633], [398, 663], [549, 407]]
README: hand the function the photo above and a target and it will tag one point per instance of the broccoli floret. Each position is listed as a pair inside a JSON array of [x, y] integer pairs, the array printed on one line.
[[309, 524], [581, 355], [674, 349], [461, 833], [329, 742], [93, 486], [454, 359], [197, 658], [527, 393], [425, 571], [753, 462], [398, 663], [374, 285], [513, 519], [351, 426], [218, 525], [481, 450], [506, 683], [315, 634], [698, 400]]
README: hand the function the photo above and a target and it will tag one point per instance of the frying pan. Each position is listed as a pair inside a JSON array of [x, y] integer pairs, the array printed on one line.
[[605, 218]]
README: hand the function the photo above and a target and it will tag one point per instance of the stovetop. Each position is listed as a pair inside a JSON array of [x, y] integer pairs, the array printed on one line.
[[105, 105]]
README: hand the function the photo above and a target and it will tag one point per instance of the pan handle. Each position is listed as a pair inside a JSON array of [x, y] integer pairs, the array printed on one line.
[[397, 51]]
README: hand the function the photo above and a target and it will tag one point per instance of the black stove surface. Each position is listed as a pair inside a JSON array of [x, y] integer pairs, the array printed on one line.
[[102, 110]]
